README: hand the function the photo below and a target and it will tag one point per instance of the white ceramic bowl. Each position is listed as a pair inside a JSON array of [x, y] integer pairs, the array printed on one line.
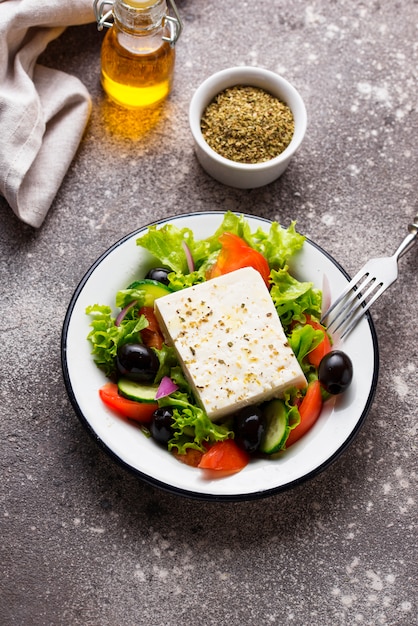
[[122, 439], [243, 175]]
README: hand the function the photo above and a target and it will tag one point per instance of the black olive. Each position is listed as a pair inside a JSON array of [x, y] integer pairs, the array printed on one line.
[[249, 428], [137, 362], [335, 372], [161, 426], [160, 274]]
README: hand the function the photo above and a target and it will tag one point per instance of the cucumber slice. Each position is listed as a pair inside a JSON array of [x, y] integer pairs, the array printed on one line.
[[277, 428], [152, 290], [137, 391]]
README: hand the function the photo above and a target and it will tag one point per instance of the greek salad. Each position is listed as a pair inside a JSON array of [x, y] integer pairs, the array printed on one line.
[[146, 382]]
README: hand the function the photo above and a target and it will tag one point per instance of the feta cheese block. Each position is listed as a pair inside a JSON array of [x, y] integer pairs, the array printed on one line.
[[230, 341]]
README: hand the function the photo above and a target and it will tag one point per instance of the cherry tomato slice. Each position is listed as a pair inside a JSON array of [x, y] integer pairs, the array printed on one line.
[[139, 411], [315, 356], [309, 410], [225, 456], [236, 254]]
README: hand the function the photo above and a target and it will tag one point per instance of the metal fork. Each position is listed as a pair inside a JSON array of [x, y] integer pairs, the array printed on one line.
[[373, 279]]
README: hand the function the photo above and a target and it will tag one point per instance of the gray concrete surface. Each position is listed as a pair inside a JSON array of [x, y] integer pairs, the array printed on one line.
[[85, 543]]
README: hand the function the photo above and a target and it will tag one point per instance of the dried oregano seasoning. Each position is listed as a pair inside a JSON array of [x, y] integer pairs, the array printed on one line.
[[247, 124]]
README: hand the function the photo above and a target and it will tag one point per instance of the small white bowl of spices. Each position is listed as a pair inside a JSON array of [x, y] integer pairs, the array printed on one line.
[[247, 123]]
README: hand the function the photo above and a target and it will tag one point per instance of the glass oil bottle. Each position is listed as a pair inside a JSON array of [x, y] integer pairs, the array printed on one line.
[[138, 51]]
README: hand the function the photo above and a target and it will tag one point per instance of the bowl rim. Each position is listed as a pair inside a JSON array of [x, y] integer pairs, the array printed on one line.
[[233, 497], [219, 81]]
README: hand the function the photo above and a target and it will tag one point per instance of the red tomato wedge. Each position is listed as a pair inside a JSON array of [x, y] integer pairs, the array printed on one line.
[[151, 335], [315, 356], [141, 412], [224, 456], [309, 409], [235, 254]]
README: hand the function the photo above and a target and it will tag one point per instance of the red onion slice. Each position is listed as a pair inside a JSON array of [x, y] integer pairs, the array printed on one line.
[[124, 311], [166, 387], [189, 258]]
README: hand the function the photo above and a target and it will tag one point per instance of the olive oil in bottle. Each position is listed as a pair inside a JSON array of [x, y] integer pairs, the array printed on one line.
[[138, 52]]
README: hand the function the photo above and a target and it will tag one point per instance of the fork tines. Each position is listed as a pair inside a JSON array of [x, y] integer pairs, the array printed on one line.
[[353, 302]]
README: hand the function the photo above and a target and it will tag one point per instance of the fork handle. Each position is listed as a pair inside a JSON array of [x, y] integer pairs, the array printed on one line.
[[409, 240]]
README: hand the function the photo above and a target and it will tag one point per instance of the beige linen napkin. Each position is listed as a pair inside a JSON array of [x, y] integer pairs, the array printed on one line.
[[43, 112]]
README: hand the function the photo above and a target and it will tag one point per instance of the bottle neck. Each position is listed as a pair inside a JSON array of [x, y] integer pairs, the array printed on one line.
[[136, 16]]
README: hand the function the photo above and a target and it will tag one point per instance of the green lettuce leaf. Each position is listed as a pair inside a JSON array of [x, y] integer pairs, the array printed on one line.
[[165, 244], [192, 426], [294, 299], [126, 296], [182, 281], [302, 340], [168, 361], [105, 337], [278, 245], [231, 223]]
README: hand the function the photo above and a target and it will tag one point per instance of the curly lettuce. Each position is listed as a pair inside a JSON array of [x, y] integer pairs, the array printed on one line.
[[165, 243], [192, 427], [294, 299], [105, 336]]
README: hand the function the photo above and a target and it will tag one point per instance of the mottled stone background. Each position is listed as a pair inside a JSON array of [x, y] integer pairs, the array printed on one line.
[[83, 542]]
